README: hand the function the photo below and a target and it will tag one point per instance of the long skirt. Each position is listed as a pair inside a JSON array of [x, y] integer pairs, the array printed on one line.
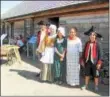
[[46, 73], [59, 69], [47, 60], [73, 69]]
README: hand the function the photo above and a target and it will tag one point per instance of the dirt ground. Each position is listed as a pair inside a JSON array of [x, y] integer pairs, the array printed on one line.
[[20, 80]]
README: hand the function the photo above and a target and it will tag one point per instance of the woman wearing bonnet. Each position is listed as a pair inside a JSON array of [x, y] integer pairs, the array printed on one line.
[[59, 66], [47, 58]]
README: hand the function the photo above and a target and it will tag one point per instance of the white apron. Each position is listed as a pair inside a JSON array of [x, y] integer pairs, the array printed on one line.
[[48, 55]]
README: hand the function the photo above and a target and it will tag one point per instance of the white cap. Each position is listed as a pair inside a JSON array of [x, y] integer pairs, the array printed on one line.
[[61, 30], [53, 27]]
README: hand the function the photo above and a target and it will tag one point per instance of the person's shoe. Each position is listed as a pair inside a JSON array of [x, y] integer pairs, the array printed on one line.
[[38, 75], [55, 82], [42, 81], [85, 87], [50, 82], [60, 82], [96, 89]]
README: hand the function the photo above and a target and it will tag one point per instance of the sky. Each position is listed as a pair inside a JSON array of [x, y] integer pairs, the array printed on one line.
[[7, 5]]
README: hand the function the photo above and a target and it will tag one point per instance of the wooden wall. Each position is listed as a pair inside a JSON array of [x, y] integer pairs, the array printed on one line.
[[83, 16], [18, 28], [83, 23]]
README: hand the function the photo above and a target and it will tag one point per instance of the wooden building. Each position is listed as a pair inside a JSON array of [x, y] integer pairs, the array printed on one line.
[[24, 17]]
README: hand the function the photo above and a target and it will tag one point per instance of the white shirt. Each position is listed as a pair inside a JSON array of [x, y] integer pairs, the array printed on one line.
[[20, 43], [91, 46]]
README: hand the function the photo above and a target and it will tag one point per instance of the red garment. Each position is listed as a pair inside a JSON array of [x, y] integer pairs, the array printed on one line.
[[23, 40], [70, 38], [38, 37], [48, 31], [96, 55], [93, 50]]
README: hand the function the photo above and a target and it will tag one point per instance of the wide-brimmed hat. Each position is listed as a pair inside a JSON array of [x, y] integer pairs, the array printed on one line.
[[91, 30]]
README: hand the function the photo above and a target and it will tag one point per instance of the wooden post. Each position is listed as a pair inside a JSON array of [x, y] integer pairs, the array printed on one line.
[[25, 30], [28, 26], [29, 29], [32, 25], [7, 30], [12, 29], [3, 28]]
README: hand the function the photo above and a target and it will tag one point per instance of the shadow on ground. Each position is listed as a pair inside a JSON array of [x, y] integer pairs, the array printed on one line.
[[36, 63], [2, 61], [103, 90], [27, 74]]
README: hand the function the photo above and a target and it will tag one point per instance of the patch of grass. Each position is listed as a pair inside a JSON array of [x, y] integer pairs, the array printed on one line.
[[5, 41]]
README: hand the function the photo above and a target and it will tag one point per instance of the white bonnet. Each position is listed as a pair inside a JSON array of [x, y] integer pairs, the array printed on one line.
[[61, 30], [53, 27]]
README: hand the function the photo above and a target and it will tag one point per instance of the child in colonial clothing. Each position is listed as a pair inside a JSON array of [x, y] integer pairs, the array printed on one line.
[[92, 57]]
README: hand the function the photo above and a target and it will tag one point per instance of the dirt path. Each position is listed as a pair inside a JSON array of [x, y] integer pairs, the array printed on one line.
[[21, 80]]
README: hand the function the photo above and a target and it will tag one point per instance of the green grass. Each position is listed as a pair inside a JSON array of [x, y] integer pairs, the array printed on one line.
[[5, 41]]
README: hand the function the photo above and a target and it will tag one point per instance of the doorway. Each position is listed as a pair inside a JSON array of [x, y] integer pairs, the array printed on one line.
[[54, 21]]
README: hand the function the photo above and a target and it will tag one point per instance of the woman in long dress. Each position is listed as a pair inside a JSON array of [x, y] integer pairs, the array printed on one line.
[[59, 66], [48, 55], [74, 47]]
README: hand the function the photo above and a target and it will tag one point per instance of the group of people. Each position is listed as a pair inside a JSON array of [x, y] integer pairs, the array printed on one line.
[[19, 41], [63, 55]]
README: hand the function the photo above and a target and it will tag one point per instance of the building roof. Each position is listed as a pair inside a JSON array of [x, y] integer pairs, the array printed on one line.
[[28, 7]]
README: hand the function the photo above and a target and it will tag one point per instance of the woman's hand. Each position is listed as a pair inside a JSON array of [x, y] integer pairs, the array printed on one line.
[[62, 55], [81, 62], [61, 59], [98, 66]]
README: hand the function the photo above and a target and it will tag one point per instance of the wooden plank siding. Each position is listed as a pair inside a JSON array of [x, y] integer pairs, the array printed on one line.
[[83, 23]]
